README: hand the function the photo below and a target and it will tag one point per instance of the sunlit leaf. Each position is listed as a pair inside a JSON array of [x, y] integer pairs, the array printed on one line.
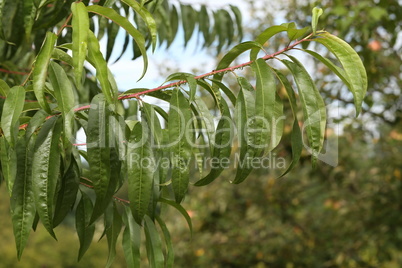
[[12, 109]]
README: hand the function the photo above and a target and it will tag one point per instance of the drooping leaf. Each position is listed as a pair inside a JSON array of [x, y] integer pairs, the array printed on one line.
[[112, 31], [187, 16], [245, 112], [189, 78], [351, 63], [22, 201], [180, 209], [180, 138], [264, 37], [169, 260], [141, 168], [153, 244], [97, 60], [147, 17], [65, 100], [85, 230], [112, 234], [313, 106], [45, 170], [12, 109], [317, 12], [238, 16], [98, 148], [4, 88], [124, 23], [131, 239], [40, 70], [222, 146], [8, 160], [80, 26]]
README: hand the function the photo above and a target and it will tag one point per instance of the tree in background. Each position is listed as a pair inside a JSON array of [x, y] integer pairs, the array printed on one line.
[[137, 157]]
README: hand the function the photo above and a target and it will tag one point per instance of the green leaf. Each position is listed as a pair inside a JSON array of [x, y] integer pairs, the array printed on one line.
[[4, 88], [60, 55], [189, 78], [204, 24], [112, 31], [12, 110], [22, 201], [264, 37], [313, 106], [35, 122], [208, 119], [222, 146], [97, 60], [124, 23], [147, 17], [68, 192], [64, 94], [228, 92], [238, 18], [85, 230], [245, 111], [168, 240], [265, 103], [80, 26], [40, 69], [180, 137], [187, 16], [180, 209], [153, 244], [296, 135], [293, 32], [112, 234], [8, 159], [98, 144], [45, 170], [141, 168], [317, 12], [351, 63], [153, 123], [131, 239]]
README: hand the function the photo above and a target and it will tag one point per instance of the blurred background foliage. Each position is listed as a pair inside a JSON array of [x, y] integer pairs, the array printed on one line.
[[344, 216]]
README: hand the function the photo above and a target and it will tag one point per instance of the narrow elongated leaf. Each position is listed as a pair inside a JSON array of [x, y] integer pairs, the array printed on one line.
[[153, 244], [68, 192], [141, 168], [208, 120], [189, 78], [264, 37], [131, 239], [169, 261], [40, 70], [180, 209], [12, 109], [204, 23], [222, 147], [265, 102], [97, 60], [147, 17], [66, 101], [296, 136], [351, 63], [228, 92], [45, 170], [22, 201], [245, 112], [80, 26], [180, 136], [60, 55], [238, 17], [124, 23], [112, 234], [276, 126], [313, 106], [112, 31], [8, 160], [317, 12], [98, 144], [187, 16], [35, 122], [85, 230]]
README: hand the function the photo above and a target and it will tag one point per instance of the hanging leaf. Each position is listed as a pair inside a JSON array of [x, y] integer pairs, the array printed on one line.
[[11, 113], [239, 23], [45, 170], [153, 244], [245, 112], [112, 234], [180, 138], [22, 201], [4, 88], [126, 25], [8, 159], [187, 16], [131, 239], [97, 60], [222, 147], [313, 106], [351, 63], [189, 78], [40, 70], [169, 261], [141, 168], [85, 230], [98, 148], [80, 26], [264, 37], [180, 209]]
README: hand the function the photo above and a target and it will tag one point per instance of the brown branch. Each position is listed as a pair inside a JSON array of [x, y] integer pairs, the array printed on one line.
[[12, 72]]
